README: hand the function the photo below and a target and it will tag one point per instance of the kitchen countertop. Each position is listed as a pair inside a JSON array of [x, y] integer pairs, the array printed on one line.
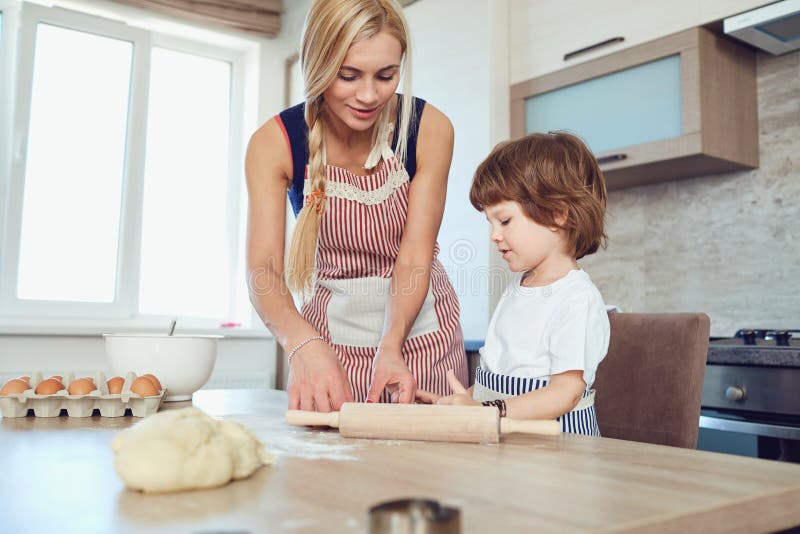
[[717, 354], [749, 355], [57, 474]]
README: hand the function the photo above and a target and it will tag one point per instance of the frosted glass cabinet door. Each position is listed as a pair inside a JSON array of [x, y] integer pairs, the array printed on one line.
[[661, 110], [637, 105]]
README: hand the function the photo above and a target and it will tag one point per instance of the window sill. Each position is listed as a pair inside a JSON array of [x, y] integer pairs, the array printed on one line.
[[77, 328]]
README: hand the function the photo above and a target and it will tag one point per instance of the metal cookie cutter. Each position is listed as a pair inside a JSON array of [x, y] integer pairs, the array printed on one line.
[[414, 516]]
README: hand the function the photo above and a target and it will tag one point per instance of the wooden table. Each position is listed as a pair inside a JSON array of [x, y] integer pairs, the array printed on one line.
[[57, 475]]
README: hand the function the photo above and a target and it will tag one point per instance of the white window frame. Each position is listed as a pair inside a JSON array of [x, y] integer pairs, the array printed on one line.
[[15, 95], [8, 53]]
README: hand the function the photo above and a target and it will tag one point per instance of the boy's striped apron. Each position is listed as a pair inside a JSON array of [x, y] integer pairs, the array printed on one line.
[[491, 386]]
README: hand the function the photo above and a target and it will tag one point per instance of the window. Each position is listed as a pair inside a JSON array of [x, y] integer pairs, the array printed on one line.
[[125, 196], [184, 251], [74, 166]]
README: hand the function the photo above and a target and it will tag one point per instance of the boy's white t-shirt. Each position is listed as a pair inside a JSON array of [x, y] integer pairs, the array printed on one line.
[[537, 332]]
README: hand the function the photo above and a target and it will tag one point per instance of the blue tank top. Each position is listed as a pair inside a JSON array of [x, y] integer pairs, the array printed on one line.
[[294, 122]]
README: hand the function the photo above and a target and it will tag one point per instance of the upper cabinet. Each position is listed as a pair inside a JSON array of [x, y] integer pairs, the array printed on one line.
[[679, 106], [549, 35]]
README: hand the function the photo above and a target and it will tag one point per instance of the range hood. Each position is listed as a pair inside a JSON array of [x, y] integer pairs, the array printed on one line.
[[774, 28]]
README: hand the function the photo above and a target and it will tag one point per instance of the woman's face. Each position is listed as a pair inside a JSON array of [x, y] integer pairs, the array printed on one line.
[[367, 80]]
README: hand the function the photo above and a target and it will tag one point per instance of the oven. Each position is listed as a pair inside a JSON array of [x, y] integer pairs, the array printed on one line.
[[751, 395]]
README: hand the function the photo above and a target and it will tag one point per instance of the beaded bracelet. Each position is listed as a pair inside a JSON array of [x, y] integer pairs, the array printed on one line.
[[500, 404], [301, 345]]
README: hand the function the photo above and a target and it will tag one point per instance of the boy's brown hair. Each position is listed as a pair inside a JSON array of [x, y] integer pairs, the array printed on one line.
[[549, 175]]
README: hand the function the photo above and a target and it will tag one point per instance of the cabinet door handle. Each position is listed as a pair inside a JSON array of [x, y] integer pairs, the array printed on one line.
[[607, 42], [612, 157]]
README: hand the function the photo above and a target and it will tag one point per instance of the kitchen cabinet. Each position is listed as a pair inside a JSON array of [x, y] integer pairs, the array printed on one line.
[[676, 107], [549, 35]]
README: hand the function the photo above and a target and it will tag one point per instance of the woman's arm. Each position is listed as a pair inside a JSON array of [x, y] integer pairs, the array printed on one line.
[[412, 269], [317, 380]]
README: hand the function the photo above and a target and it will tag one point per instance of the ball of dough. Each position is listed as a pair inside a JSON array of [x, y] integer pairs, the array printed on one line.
[[248, 452], [185, 449]]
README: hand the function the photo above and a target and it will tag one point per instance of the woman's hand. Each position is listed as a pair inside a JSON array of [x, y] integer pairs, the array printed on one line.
[[389, 371], [461, 396], [317, 381]]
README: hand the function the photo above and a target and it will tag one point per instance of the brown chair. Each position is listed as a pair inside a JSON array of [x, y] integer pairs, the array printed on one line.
[[648, 387]]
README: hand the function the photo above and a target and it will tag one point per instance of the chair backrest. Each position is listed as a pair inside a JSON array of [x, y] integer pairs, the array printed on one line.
[[648, 387]]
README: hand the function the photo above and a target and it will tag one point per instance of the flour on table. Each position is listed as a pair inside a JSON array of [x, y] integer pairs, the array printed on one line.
[[185, 449], [297, 524], [300, 443]]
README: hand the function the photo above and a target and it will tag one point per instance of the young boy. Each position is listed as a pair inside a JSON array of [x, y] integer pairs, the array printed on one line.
[[545, 199]]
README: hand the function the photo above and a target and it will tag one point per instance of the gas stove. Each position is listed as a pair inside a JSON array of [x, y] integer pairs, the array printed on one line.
[[750, 387], [762, 339]]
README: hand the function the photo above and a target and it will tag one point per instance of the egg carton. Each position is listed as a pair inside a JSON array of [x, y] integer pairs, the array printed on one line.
[[108, 404]]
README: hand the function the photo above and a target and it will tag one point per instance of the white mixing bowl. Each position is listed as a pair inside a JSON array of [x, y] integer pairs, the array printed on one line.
[[182, 364]]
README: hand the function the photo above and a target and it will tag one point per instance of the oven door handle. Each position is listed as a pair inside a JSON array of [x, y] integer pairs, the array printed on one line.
[[747, 427]]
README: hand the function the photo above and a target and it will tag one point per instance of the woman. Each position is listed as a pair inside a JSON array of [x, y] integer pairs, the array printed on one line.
[[366, 171]]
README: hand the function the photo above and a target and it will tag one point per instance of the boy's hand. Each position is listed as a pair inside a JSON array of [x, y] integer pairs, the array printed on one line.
[[460, 397], [427, 397]]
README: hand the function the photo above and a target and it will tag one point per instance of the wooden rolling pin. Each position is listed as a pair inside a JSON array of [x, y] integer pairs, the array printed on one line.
[[425, 422]]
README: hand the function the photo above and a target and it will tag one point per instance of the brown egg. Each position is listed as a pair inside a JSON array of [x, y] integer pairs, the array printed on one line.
[[144, 387], [25, 379], [154, 380], [57, 377], [81, 386], [15, 385], [115, 384], [48, 387]]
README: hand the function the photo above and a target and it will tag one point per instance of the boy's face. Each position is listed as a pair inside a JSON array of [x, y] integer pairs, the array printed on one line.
[[524, 243]]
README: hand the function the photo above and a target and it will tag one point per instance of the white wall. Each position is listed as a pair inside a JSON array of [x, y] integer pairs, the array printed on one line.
[[274, 53], [460, 65]]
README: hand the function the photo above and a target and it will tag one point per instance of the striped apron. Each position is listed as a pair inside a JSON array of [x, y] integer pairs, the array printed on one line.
[[359, 238], [491, 386]]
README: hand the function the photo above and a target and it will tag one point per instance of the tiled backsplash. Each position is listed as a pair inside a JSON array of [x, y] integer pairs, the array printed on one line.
[[727, 245]]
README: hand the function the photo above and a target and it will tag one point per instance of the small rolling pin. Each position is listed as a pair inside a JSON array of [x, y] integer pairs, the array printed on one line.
[[466, 424]]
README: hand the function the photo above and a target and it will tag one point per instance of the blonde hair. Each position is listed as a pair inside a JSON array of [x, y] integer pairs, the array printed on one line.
[[330, 28]]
